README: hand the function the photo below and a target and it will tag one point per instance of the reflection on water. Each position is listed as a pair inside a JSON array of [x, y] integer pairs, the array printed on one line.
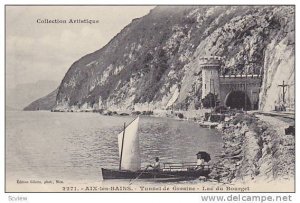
[[74, 146]]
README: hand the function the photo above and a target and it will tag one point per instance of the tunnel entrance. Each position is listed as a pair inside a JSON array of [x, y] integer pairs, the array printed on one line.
[[238, 100]]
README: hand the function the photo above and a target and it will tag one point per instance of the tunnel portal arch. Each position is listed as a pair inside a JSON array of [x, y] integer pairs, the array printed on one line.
[[237, 100]]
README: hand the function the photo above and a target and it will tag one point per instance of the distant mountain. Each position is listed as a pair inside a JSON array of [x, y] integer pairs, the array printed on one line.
[[154, 60], [23, 94], [45, 103]]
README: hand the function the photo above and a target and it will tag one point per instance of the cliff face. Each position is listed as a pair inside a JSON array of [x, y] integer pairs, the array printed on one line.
[[153, 62], [279, 64]]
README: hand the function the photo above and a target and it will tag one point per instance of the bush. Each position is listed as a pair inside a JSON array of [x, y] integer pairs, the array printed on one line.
[[209, 100], [147, 113], [180, 115], [136, 113]]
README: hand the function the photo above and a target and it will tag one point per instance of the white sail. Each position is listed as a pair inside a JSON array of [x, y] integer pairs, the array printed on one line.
[[131, 158]]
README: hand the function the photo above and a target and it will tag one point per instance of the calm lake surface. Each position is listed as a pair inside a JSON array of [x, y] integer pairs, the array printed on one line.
[[74, 146]]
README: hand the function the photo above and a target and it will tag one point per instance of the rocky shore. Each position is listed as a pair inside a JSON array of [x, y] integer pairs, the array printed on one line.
[[255, 148]]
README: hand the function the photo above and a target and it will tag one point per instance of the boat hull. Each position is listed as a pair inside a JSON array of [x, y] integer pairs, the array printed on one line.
[[153, 174]]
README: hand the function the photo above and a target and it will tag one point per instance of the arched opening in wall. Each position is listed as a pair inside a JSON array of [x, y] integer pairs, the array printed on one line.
[[238, 100]]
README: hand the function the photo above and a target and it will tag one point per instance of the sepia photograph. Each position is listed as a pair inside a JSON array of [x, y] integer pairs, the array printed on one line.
[[150, 98]]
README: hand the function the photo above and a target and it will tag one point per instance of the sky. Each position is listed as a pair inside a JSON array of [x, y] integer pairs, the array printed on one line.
[[37, 51]]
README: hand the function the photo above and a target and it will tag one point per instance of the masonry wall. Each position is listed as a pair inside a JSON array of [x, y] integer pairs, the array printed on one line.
[[238, 83]]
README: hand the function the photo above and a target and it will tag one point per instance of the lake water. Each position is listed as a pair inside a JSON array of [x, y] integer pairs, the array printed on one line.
[[74, 146]]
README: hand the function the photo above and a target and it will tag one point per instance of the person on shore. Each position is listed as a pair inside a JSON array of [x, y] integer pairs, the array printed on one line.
[[206, 165], [156, 165], [200, 162]]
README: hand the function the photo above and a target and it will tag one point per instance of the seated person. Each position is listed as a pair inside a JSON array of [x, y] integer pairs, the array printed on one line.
[[200, 163], [205, 165], [156, 165]]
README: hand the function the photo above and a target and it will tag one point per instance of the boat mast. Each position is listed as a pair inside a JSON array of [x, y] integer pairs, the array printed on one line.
[[122, 146]]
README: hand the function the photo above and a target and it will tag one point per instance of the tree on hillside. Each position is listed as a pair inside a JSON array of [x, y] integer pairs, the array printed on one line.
[[210, 100]]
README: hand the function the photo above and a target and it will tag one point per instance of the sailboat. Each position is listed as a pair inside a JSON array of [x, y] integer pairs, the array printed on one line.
[[130, 161]]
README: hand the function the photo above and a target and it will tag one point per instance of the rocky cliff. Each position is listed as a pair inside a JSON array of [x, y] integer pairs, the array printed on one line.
[[153, 62]]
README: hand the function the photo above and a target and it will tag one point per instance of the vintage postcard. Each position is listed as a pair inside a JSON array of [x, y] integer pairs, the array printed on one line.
[[150, 98]]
